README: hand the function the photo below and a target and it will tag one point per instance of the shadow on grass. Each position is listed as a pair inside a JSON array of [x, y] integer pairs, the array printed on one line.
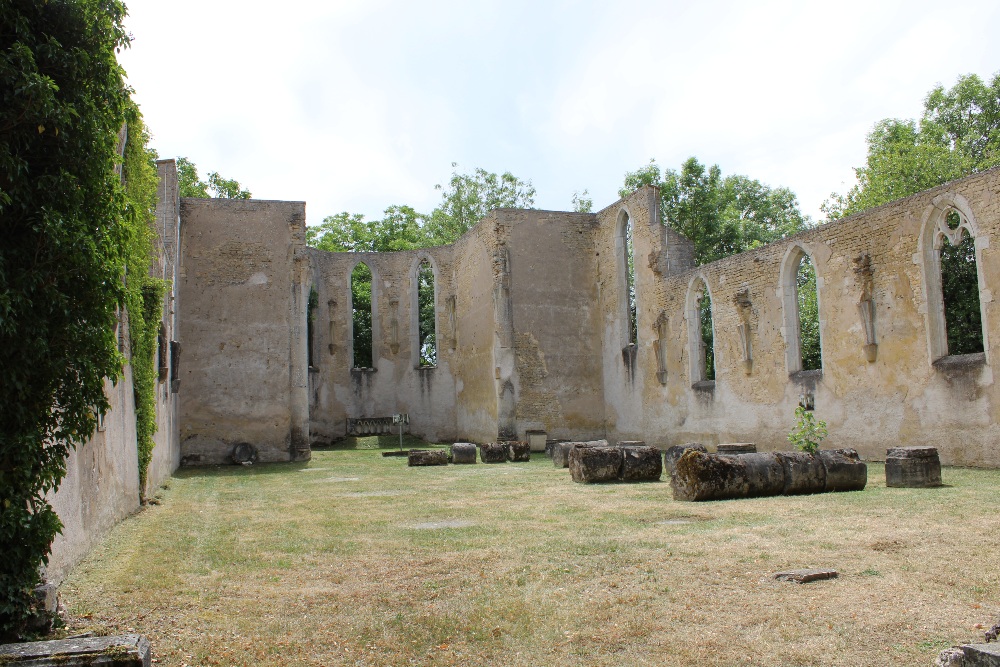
[[234, 470], [378, 442]]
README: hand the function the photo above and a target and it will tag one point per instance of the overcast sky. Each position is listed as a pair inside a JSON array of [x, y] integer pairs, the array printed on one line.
[[355, 106]]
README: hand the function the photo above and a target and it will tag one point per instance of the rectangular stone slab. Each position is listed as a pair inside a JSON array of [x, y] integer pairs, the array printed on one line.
[[114, 651], [970, 655]]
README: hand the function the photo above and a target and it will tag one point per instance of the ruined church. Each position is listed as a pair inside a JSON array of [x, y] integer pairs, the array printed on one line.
[[540, 326]]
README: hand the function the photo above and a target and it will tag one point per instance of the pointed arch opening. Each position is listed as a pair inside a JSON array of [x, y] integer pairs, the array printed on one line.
[[626, 269], [362, 336], [701, 332], [801, 310], [951, 246], [425, 310]]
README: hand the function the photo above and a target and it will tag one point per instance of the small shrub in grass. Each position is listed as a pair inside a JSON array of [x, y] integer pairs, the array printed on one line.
[[808, 432]]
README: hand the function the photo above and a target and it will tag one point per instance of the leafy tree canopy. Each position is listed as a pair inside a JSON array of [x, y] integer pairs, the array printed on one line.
[[958, 134], [191, 185], [721, 215], [464, 201]]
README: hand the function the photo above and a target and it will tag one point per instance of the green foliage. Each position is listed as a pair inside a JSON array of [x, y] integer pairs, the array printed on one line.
[[722, 216], [707, 334], [144, 294], [361, 308], [582, 202], [808, 433], [425, 303], [469, 197], [67, 229], [190, 185], [958, 134], [805, 284], [960, 292], [398, 229]]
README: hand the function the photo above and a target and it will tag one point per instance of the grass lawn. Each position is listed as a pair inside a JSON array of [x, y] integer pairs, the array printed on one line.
[[355, 559]]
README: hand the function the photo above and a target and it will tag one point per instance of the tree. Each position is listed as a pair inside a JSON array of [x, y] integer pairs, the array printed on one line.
[[469, 197], [582, 202], [190, 185], [958, 134], [69, 231], [400, 228], [722, 216]]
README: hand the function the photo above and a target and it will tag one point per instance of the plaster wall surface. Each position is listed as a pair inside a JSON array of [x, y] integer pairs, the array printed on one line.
[[477, 374], [558, 379], [101, 486], [242, 323]]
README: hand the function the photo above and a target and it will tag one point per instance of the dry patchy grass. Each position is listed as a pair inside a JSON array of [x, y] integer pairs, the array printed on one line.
[[355, 559]]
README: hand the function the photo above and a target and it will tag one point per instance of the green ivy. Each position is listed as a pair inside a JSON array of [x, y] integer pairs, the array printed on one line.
[[144, 294], [71, 259]]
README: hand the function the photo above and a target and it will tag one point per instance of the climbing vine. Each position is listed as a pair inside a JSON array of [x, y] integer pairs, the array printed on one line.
[[144, 293], [75, 253]]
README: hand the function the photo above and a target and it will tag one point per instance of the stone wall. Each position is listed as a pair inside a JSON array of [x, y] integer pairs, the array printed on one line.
[[167, 452], [101, 486], [396, 382], [241, 312], [907, 395], [558, 375], [533, 332]]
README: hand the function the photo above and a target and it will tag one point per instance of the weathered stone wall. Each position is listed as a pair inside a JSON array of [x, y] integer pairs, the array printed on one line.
[[396, 382], [533, 332], [167, 452], [101, 486], [477, 378], [557, 375], [243, 292], [899, 398]]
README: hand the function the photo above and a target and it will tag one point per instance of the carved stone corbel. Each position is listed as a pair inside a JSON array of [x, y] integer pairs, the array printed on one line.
[[744, 308], [866, 306], [661, 329], [394, 327], [331, 307]]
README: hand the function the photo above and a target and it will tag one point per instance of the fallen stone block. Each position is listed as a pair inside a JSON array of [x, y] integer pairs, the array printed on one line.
[[518, 451], [672, 454], [427, 457], [805, 576], [641, 463], [804, 473], [493, 452], [845, 471], [736, 448], [463, 452], [699, 476], [912, 467], [115, 651], [595, 464], [561, 450], [631, 443], [970, 655]]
